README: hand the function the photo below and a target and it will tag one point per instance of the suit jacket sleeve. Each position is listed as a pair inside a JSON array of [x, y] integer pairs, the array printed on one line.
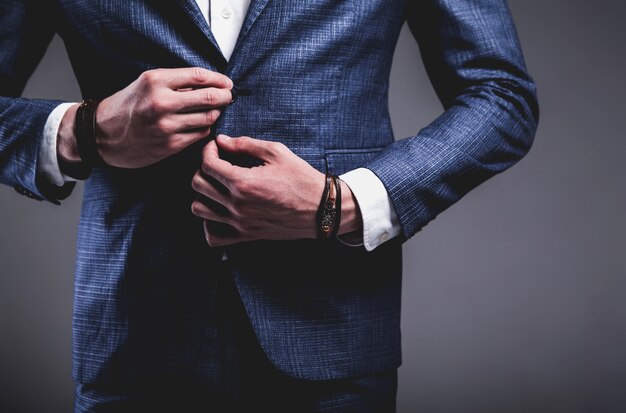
[[473, 58], [25, 32]]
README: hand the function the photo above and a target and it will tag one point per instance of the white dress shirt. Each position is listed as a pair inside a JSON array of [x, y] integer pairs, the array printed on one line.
[[380, 222]]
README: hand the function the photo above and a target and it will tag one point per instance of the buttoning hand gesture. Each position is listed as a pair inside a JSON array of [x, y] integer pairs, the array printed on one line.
[[277, 200], [156, 116]]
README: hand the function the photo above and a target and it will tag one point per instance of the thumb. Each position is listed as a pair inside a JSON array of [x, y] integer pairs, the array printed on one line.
[[245, 145]]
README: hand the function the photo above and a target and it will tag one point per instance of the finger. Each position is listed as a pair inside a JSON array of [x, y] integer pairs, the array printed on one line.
[[203, 98], [218, 234], [196, 120], [200, 209], [181, 140], [210, 188], [256, 148], [214, 166], [195, 77]]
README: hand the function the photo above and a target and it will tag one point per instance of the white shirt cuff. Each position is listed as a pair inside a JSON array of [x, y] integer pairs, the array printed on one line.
[[48, 164], [380, 222]]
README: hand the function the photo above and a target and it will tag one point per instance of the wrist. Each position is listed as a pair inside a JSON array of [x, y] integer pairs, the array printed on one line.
[[345, 211], [85, 131], [67, 150]]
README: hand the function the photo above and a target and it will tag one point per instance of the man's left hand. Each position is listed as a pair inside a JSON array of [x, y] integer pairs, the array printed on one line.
[[277, 200]]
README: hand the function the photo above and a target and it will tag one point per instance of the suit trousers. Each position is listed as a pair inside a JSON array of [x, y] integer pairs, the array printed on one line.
[[240, 379]]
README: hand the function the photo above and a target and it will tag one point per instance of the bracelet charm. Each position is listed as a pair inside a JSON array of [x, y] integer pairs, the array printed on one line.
[[329, 212]]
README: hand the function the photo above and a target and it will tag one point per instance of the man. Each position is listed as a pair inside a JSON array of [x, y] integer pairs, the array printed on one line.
[[204, 280]]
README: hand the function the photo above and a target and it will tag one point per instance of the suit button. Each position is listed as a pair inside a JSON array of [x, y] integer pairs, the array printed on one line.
[[237, 91]]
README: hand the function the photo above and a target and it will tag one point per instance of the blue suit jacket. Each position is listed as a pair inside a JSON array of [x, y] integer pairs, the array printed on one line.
[[317, 77]]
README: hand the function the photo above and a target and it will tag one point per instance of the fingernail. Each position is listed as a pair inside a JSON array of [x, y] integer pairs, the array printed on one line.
[[223, 137], [230, 81]]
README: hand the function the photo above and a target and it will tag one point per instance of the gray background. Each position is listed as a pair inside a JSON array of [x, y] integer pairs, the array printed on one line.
[[514, 300]]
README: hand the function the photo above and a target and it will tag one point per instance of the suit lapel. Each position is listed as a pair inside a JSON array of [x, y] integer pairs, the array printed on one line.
[[190, 7], [255, 8], [193, 12]]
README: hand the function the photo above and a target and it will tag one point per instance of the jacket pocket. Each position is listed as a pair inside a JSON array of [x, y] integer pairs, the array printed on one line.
[[339, 161]]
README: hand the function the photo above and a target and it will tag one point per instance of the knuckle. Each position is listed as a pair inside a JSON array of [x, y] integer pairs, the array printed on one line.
[[195, 207], [149, 77], [242, 142], [243, 187], [196, 181], [211, 117], [278, 148], [173, 145], [206, 167], [198, 75], [163, 126], [210, 97], [155, 106], [206, 151]]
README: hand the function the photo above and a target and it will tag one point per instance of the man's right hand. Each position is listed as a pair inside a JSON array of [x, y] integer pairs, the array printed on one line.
[[156, 116]]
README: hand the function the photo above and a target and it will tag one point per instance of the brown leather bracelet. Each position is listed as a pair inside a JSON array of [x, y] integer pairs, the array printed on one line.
[[337, 206], [323, 217], [85, 131], [329, 212]]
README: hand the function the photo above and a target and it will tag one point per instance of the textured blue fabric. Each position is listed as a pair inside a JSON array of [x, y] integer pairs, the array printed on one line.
[[317, 72], [241, 379], [24, 36]]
